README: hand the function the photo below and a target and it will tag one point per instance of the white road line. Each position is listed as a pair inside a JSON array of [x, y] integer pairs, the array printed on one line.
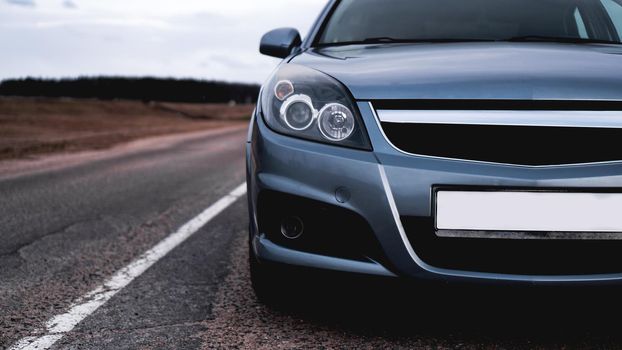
[[57, 326]]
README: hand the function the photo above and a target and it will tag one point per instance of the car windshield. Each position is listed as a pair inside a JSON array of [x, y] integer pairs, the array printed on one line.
[[371, 21]]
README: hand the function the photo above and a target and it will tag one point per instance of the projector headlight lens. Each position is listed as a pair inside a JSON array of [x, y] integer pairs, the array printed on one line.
[[298, 113]]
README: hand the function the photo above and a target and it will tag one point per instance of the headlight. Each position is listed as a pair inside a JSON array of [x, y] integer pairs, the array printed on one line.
[[298, 112], [305, 103]]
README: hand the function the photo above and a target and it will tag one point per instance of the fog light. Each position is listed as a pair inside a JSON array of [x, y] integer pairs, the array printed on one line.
[[292, 227]]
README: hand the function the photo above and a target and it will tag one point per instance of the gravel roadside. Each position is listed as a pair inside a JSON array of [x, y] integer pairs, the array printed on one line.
[[240, 321]]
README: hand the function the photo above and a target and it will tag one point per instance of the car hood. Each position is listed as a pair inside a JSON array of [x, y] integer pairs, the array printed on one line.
[[473, 70]]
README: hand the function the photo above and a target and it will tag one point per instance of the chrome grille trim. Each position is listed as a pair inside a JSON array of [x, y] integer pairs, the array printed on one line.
[[578, 119]]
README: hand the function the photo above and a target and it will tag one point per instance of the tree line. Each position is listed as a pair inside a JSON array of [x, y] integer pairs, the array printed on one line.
[[144, 89]]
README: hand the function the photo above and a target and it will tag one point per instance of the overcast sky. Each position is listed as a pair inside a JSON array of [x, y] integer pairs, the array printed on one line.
[[205, 39]]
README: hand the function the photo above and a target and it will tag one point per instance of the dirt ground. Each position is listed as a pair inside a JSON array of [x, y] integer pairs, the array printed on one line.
[[30, 127]]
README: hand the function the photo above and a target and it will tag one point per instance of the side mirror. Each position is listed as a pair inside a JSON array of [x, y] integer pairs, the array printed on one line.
[[280, 42]]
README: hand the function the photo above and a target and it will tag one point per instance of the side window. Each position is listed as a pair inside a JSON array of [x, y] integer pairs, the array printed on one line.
[[614, 10], [580, 24]]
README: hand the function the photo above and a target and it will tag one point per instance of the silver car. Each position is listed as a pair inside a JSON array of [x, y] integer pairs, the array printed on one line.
[[454, 141]]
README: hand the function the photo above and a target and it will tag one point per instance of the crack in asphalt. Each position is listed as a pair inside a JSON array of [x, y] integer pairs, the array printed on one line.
[[159, 222], [18, 250]]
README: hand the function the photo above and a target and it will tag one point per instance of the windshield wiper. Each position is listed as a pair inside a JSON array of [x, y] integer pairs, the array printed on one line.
[[386, 39], [390, 40], [556, 39]]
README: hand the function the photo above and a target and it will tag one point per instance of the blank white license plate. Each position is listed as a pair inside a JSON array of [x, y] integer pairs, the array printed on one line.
[[529, 211]]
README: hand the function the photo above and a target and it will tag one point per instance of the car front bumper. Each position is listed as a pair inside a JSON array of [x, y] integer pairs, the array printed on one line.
[[385, 187]]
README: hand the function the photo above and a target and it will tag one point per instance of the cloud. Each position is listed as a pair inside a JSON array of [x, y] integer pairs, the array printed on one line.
[[69, 4], [204, 39], [86, 23], [29, 3]]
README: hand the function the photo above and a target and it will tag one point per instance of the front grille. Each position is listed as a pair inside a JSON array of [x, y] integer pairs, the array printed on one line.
[[522, 145], [533, 133], [522, 257]]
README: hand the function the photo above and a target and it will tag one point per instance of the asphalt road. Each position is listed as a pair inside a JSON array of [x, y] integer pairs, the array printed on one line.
[[68, 224]]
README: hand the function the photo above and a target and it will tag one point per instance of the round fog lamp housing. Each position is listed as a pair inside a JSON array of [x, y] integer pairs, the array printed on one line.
[[336, 122], [298, 113], [292, 227]]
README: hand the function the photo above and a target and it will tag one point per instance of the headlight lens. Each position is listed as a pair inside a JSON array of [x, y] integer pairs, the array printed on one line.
[[298, 113], [336, 122], [305, 103]]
